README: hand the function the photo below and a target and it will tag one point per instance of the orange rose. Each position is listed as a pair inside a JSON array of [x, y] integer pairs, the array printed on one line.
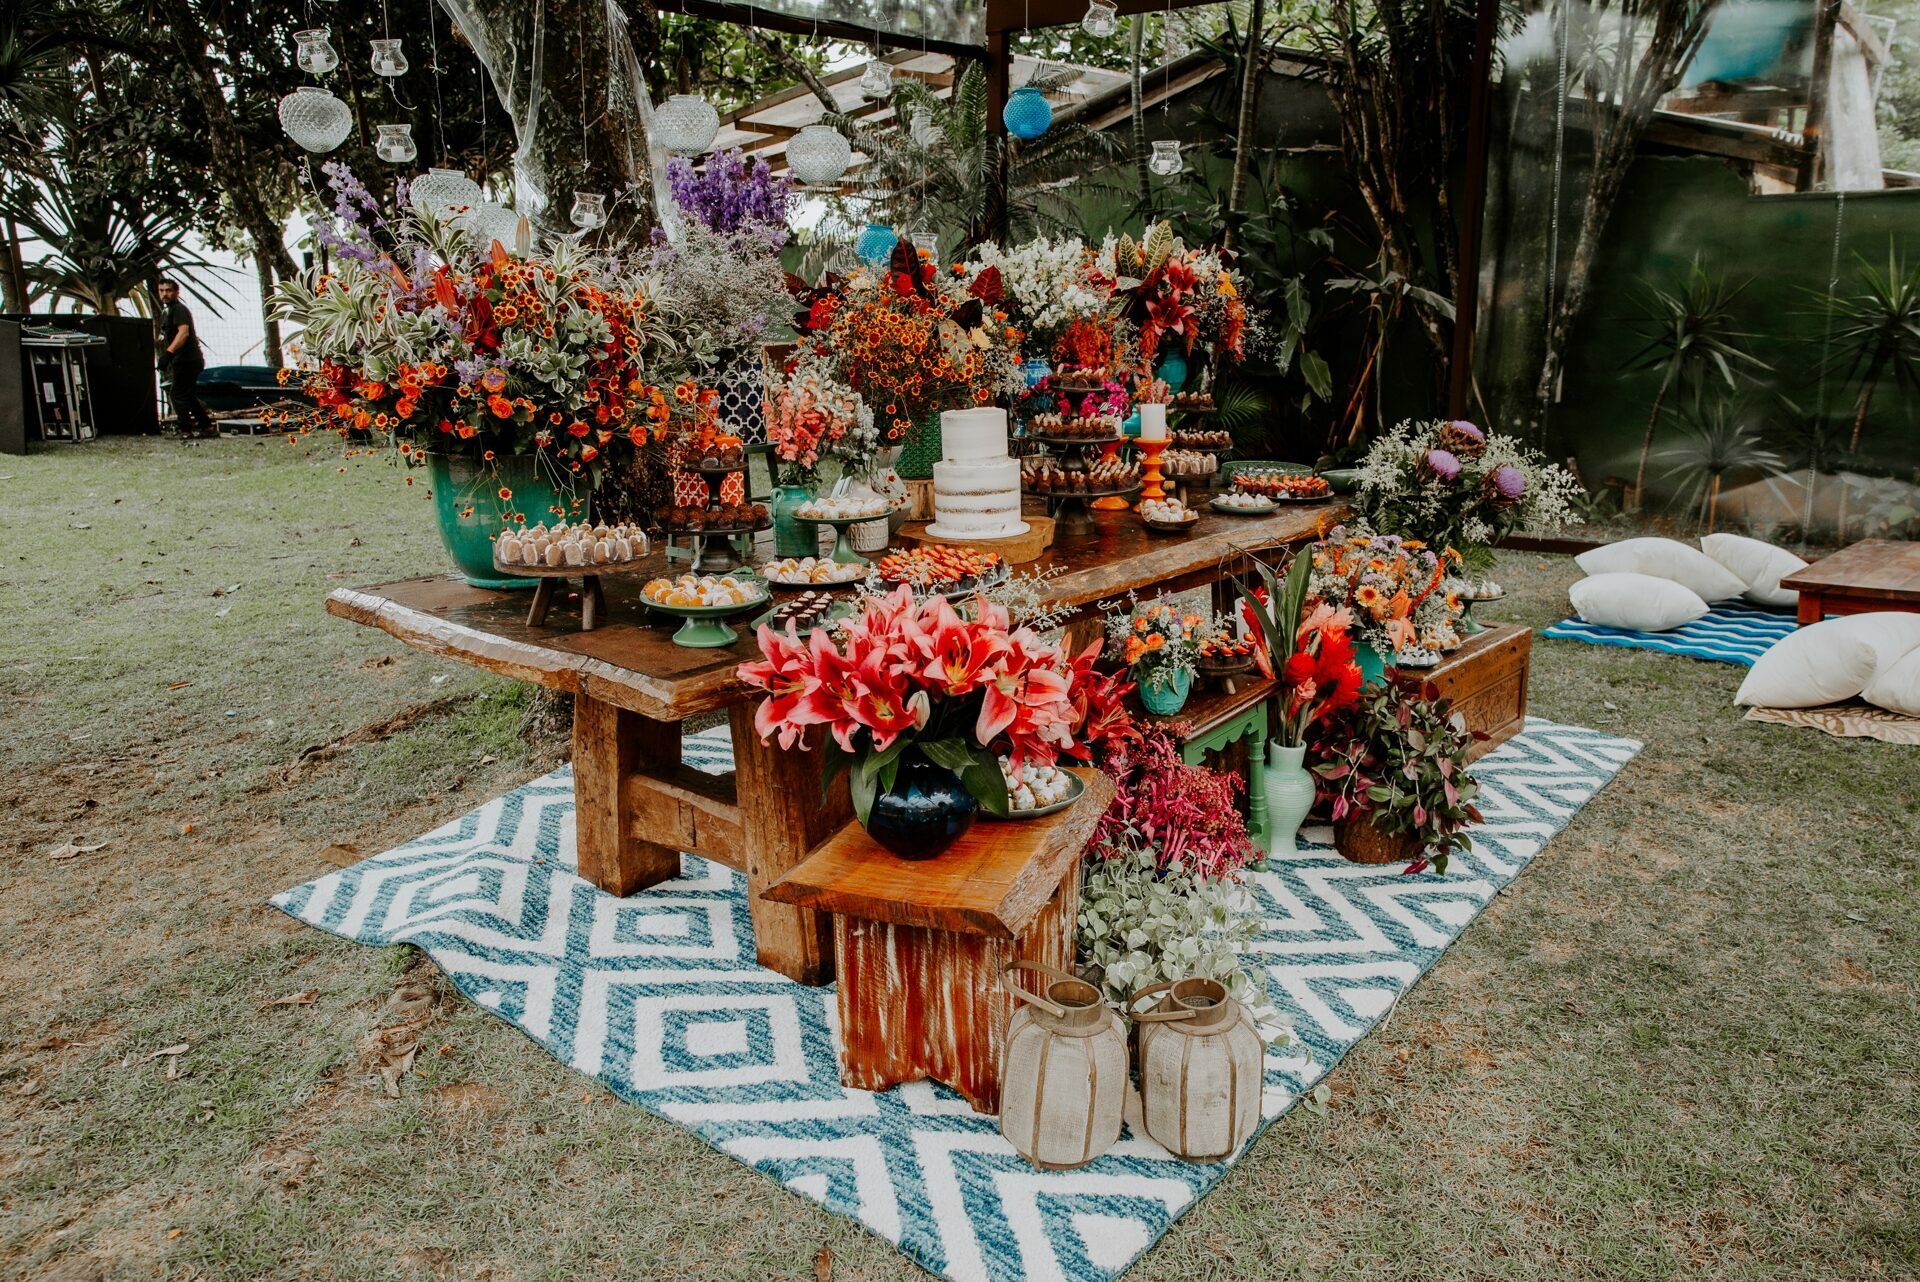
[[500, 406]]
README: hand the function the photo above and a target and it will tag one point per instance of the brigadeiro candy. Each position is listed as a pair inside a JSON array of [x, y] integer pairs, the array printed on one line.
[[1506, 484], [1443, 464]]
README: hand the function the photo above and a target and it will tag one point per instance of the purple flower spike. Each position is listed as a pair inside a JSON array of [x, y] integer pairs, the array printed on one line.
[[1443, 464]]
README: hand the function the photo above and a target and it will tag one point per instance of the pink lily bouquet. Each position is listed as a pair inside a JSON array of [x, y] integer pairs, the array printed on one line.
[[905, 677]]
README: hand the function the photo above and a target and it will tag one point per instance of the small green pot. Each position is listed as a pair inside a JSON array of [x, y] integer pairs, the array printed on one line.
[[1163, 699], [792, 537], [471, 513], [1373, 668]]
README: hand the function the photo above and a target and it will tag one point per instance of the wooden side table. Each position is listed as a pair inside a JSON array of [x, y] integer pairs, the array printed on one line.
[[918, 947], [1229, 732]]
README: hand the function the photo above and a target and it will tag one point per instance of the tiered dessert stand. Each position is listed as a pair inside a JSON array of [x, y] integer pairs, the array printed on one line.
[[709, 556]]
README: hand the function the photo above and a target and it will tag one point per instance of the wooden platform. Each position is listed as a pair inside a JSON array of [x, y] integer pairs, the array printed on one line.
[[919, 945], [1869, 576], [1487, 681]]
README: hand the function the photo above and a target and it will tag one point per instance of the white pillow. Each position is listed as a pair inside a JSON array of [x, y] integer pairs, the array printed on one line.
[[1638, 602], [1831, 661], [1760, 565], [1665, 559], [1896, 687]]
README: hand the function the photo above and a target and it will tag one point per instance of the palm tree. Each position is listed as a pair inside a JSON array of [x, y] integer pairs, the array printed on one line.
[[1877, 333], [1720, 440], [1690, 333]]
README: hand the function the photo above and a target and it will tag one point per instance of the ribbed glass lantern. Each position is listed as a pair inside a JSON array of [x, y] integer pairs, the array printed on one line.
[[876, 81], [1166, 158], [394, 144], [1027, 114], [314, 52], [818, 155], [388, 60], [315, 118], [1102, 19], [589, 210], [686, 125], [489, 221], [874, 245], [441, 194]]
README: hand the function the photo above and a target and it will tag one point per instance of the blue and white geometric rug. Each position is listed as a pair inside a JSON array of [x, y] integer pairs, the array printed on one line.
[[1728, 633], [658, 997]]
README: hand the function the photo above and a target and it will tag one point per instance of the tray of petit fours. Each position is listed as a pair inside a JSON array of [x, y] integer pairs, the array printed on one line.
[[568, 551], [940, 570], [816, 572]]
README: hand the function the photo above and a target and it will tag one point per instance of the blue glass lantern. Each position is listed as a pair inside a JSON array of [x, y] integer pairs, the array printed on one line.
[[874, 245], [1035, 370], [1027, 114]]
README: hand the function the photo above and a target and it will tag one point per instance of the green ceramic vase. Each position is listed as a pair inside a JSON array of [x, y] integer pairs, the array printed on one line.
[[471, 513], [1289, 793], [791, 537], [1163, 699]]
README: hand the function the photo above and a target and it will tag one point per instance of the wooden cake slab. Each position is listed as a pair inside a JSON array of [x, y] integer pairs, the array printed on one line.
[[1017, 550]]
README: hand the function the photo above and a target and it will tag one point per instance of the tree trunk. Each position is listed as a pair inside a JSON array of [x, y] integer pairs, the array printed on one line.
[[13, 274], [1860, 412], [1243, 129], [270, 353], [1646, 444], [1139, 24], [777, 49], [1713, 501]]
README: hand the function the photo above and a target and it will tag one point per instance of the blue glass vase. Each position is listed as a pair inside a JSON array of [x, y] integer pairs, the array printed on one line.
[[925, 811], [1172, 370], [1373, 668], [874, 245]]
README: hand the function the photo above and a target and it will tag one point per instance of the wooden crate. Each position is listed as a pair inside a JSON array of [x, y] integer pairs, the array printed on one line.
[[1487, 681]]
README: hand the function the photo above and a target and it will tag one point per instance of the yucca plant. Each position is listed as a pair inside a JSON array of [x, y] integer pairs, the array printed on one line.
[[1690, 336], [1719, 441], [1876, 334]]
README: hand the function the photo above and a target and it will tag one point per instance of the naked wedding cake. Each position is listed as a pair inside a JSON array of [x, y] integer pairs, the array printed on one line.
[[976, 488]]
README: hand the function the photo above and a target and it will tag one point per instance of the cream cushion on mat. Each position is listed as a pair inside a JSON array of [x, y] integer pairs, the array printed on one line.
[[1636, 602], [1758, 564], [1897, 688], [1705, 577], [1831, 661]]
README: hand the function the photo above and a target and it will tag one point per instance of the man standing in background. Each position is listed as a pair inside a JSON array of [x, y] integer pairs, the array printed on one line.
[[180, 364]]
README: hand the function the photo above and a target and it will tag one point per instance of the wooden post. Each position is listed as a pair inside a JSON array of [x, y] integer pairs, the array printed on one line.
[[999, 86], [783, 818], [1466, 289], [610, 743], [1827, 16]]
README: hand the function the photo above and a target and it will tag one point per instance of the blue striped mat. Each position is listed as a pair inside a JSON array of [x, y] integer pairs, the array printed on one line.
[[1728, 633]]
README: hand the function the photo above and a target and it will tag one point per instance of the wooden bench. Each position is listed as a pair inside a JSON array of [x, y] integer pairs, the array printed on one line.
[[918, 947]]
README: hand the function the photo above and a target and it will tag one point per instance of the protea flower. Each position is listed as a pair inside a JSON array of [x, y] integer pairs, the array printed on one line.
[[1506, 484], [1463, 438], [1442, 464]]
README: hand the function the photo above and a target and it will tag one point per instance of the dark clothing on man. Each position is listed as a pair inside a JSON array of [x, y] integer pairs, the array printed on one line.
[[181, 372]]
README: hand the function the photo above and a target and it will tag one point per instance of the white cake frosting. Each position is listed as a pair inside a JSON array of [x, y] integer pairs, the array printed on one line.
[[976, 487]]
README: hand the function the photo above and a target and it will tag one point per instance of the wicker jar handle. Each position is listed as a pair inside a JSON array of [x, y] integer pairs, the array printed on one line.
[[1154, 1016], [1051, 1007]]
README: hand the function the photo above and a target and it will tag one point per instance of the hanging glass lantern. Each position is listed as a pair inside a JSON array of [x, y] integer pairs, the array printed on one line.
[[313, 52], [387, 58], [1027, 114], [442, 194], [315, 118], [589, 210], [394, 144], [924, 130], [686, 125], [489, 221], [876, 81], [927, 245], [874, 245], [1102, 19], [818, 155], [1166, 158]]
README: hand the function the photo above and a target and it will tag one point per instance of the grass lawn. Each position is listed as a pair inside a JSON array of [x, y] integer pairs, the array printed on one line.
[[1683, 1045]]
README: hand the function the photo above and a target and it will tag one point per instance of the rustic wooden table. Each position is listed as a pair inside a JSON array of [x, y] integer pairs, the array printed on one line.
[[1868, 576], [637, 806], [919, 947]]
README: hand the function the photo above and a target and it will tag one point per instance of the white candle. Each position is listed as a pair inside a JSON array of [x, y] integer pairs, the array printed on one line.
[[1153, 422]]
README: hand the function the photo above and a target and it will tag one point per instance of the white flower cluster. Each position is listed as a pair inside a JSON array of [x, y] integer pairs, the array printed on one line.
[[1046, 280]]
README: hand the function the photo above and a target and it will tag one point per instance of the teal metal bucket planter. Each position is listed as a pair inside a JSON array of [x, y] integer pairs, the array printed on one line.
[[471, 514], [1166, 698]]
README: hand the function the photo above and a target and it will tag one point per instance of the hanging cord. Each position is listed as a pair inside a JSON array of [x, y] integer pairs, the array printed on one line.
[[433, 63], [1559, 165]]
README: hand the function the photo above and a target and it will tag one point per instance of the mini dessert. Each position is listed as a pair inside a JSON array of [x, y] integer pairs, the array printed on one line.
[[1082, 378], [800, 570], [1034, 786], [1188, 464], [1222, 650], [562, 545], [1168, 512], [1282, 485], [1076, 428], [1483, 590], [1242, 502], [850, 508], [1192, 401], [802, 613], [720, 517], [937, 568], [693, 590], [1214, 440]]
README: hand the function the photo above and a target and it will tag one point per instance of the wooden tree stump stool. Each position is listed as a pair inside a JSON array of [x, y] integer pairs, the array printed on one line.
[[918, 947]]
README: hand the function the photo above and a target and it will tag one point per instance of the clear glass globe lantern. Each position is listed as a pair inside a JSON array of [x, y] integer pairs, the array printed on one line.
[[818, 155], [314, 52], [589, 210], [441, 194], [686, 125], [1166, 158], [489, 220], [877, 80], [394, 144], [388, 60], [315, 119], [1102, 19], [927, 244]]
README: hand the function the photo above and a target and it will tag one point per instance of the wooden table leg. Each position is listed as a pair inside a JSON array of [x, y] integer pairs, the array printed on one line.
[[542, 602], [784, 818], [1813, 608], [593, 603], [610, 743]]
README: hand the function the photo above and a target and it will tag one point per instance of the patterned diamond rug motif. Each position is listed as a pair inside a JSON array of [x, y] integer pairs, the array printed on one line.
[[658, 997]]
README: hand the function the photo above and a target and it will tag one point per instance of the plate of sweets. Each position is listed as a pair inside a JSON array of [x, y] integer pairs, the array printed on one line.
[[1194, 439], [1224, 655], [805, 612], [1092, 428], [1283, 487], [812, 572], [703, 600], [938, 569], [851, 507], [1243, 503], [1035, 790], [1167, 516]]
